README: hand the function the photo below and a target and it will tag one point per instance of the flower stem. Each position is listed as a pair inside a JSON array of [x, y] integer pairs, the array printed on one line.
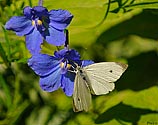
[[67, 38], [40, 3]]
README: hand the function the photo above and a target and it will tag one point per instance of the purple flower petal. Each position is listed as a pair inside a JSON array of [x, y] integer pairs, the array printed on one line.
[[86, 62], [60, 19], [51, 82], [43, 64], [33, 41], [73, 55], [28, 12], [61, 53], [67, 83], [20, 24], [70, 54], [55, 37], [40, 11]]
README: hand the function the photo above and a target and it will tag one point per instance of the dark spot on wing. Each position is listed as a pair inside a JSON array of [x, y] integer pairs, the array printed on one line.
[[81, 71], [111, 71], [78, 99], [84, 78]]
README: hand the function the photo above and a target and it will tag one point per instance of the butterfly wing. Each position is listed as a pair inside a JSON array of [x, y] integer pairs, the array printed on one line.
[[103, 75], [81, 95]]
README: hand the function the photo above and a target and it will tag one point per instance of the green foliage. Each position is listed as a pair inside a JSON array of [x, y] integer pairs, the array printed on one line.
[[122, 31]]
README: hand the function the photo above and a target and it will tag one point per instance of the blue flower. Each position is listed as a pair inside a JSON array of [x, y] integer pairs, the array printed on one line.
[[53, 70], [38, 23], [86, 63]]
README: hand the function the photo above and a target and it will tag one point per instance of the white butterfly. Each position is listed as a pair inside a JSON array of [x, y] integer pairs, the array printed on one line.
[[97, 79]]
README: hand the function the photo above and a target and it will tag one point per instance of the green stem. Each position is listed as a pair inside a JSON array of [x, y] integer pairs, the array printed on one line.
[[67, 38]]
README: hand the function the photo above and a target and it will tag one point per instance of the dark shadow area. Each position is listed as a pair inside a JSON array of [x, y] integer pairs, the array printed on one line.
[[123, 113], [143, 24], [141, 73]]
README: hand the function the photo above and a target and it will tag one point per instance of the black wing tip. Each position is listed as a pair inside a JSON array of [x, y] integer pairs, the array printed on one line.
[[124, 66], [78, 110], [75, 108]]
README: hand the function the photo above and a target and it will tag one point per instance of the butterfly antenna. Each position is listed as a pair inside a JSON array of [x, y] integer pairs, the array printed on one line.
[[74, 67]]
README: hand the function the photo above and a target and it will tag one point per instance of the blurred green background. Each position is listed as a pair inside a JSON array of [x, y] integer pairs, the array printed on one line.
[[120, 30]]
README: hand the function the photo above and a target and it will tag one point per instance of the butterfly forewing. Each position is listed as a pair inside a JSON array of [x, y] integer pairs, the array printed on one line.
[[81, 95], [102, 75]]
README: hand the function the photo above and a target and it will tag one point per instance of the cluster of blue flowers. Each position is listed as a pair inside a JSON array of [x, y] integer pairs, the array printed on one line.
[[39, 24]]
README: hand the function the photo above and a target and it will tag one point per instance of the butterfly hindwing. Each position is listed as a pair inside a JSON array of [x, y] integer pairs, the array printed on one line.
[[81, 95]]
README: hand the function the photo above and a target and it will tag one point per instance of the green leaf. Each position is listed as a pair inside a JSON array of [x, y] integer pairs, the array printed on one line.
[[149, 119], [7, 43], [23, 60], [128, 107], [111, 100], [130, 46], [41, 119], [124, 114], [7, 99], [15, 113], [145, 99], [144, 4], [3, 56]]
